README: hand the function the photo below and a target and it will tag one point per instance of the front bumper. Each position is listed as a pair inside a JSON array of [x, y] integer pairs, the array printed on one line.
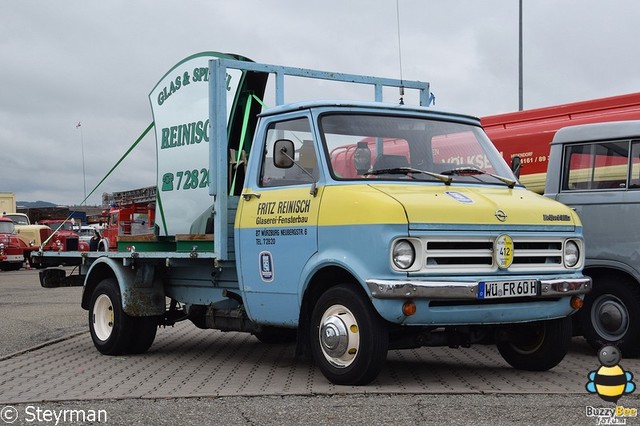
[[468, 290]]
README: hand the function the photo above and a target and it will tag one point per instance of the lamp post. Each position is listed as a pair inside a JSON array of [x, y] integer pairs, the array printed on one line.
[[520, 89], [84, 179]]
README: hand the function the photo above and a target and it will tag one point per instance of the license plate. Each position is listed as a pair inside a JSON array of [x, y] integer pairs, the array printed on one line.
[[501, 289]]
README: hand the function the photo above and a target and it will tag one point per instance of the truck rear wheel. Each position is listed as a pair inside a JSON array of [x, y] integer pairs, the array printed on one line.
[[113, 331], [349, 340], [611, 315], [538, 346]]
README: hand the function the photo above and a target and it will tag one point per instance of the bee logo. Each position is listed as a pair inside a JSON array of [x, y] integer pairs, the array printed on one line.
[[610, 381]]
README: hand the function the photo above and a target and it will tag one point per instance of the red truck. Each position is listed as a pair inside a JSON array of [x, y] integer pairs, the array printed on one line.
[[64, 237], [527, 134], [12, 249], [131, 217]]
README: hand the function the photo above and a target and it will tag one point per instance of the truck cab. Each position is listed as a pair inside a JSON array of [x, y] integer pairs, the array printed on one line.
[[33, 236], [427, 238], [595, 169], [64, 237], [126, 220], [13, 250]]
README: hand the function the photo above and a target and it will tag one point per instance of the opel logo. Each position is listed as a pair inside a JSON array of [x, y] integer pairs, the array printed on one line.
[[500, 215]]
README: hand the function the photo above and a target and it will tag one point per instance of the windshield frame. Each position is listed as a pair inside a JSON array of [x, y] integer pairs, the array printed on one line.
[[10, 227], [416, 128]]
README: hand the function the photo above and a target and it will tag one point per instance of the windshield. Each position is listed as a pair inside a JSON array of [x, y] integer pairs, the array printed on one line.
[[18, 219], [400, 148], [66, 226], [86, 232], [7, 227]]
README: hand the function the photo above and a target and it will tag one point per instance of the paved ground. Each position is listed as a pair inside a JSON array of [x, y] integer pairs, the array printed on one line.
[[185, 361], [30, 314], [193, 376]]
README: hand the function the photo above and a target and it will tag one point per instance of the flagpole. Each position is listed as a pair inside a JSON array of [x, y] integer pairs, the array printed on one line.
[[84, 179]]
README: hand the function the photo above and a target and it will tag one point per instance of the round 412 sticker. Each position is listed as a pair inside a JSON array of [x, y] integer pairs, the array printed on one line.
[[503, 251]]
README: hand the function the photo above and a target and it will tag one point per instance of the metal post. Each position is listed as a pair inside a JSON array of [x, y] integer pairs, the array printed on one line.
[[84, 179], [520, 89]]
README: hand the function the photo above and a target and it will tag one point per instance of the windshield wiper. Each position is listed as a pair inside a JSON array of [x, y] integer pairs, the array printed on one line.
[[406, 170], [470, 171]]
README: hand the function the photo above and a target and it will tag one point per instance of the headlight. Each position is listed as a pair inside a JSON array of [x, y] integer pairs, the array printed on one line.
[[403, 254], [571, 254]]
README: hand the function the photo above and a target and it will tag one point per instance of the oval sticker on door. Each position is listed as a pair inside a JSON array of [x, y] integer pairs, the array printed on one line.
[[266, 266]]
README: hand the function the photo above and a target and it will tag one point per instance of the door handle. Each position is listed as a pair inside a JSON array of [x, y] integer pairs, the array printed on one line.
[[247, 195]]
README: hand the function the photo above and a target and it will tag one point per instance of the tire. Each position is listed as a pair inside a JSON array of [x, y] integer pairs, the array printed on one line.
[[611, 315], [537, 346], [113, 331], [144, 333], [276, 335], [356, 357]]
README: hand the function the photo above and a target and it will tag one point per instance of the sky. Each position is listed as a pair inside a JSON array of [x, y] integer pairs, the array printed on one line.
[[95, 62]]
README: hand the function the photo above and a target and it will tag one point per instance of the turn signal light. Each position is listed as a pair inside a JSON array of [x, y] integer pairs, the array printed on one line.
[[409, 308], [576, 302]]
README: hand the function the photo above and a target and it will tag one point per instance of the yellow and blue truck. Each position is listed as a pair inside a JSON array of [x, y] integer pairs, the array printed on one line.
[[349, 227]]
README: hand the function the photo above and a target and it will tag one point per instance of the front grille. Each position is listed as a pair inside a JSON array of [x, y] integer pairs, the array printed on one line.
[[475, 255], [71, 244]]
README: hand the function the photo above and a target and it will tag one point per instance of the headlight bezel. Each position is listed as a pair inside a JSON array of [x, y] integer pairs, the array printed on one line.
[[571, 254], [403, 255]]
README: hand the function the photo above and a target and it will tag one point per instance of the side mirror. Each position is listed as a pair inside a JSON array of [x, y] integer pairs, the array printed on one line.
[[283, 154], [515, 165], [362, 158]]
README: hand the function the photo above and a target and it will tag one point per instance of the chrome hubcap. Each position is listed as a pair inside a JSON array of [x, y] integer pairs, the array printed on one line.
[[339, 336], [333, 336]]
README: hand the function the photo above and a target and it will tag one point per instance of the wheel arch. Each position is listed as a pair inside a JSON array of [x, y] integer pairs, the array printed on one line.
[[322, 280], [598, 271], [98, 272], [141, 289]]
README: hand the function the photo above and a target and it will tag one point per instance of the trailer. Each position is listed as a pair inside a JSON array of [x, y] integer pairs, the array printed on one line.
[[7, 202]]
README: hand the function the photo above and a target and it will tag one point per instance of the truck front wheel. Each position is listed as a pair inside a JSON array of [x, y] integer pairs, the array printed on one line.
[[538, 346], [349, 340], [611, 315], [113, 331]]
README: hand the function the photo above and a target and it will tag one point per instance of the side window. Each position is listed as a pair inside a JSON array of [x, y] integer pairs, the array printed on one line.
[[298, 131], [634, 178], [596, 166]]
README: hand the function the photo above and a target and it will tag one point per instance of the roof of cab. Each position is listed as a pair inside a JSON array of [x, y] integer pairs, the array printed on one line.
[[597, 131], [367, 106]]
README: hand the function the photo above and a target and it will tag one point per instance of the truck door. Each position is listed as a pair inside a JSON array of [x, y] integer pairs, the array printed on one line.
[[276, 224]]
